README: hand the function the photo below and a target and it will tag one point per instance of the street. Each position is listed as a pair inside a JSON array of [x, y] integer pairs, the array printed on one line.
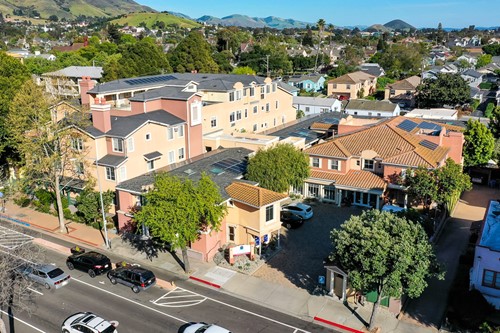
[[155, 310]]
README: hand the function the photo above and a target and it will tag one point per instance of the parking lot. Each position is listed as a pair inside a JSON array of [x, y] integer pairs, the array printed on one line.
[[300, 261]]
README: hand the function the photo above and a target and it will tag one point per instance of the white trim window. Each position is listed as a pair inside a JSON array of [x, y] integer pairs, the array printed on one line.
[[150, 165], [130, 144], [315, 162], [277, 105], [255, 109], [171, 157], [77, 144], [170, 133], [117, 145], [110, 173], [180, 131], [213, 122], [148, 136], [238, 115], [334, 164], [79, 168], [238, 95], [369, 164], [123, 173], [195, 113], [269, 213], [181, 153], [232, 117]]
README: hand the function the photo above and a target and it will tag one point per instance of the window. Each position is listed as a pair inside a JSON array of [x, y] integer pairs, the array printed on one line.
[[213, 122], [315, 162], [150, 165], [232, 117], [238, 95], [268, 89], [77, 144], [79, 169], [231, 233], [110, 173], [171, 156], [255, 126], [170, 133], [238, 115], [181, 153], [274, 87], [348, 86], [252, 91], [269, 213], [334, 165], [357, 162], [267, 107], [255, 109], [246, 113], [196, 113], [262, 90], [231, 96], [368, 164], [117, 145], [130, 144], [334, 86], [491, 279], [379, 114], [123, 173], [181, 131], [324, 110], [313, 190], [277, 105], [307, 109], [392, 91], [148, 136], [369, 113], [244, 92]]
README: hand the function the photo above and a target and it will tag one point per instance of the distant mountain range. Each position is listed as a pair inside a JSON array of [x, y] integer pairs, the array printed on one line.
[[252, 22]]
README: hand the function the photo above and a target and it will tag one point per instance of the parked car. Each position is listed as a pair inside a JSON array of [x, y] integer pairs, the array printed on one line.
[[88, 322], [290, 220], [135, 277], [91, 262], [202, 328], [49, 276], [300, 209]]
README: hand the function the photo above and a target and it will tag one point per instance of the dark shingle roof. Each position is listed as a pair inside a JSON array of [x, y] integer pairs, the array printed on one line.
[[112, 160], [193, 169], [124, 126], [153, 156], [164, 92]]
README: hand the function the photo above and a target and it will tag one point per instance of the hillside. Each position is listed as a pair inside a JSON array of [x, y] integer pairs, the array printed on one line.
[[377, 28], [399, 25], [253, 22], [134, 19], [72, 8]]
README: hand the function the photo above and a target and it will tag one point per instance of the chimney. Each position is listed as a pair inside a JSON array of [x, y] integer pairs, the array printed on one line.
[[86, 84], [101, 115]]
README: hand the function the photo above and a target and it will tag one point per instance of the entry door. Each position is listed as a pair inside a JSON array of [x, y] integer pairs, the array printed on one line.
[[338, 286]]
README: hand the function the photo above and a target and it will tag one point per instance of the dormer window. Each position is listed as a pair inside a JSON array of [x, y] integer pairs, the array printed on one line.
[[368, 164]]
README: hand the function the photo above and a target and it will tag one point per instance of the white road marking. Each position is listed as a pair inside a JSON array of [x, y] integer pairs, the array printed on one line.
[[25, 323], [35, 291], [131, 301], [173, 298]]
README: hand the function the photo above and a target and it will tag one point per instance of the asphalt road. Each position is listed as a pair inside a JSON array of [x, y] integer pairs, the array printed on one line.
[[155, 310]]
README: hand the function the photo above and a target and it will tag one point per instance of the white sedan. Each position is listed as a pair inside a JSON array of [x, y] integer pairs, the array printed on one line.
[[202, 328]]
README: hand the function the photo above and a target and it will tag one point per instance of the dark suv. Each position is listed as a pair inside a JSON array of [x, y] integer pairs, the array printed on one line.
[[91, 262], [135, 277]]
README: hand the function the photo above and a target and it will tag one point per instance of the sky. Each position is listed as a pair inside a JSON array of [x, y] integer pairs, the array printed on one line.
[[419, 13]]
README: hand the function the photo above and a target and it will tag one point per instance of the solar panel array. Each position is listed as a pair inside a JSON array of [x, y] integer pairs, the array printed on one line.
[[230, 164], [428, 144], [428, 126], [150, 80], [407, 125]]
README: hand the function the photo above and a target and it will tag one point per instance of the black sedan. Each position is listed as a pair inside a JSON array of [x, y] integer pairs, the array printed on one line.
[[290, 220], [91, 262]]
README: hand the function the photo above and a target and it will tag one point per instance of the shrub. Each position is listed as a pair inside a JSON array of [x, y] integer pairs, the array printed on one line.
[[45, 197], [23, 201]]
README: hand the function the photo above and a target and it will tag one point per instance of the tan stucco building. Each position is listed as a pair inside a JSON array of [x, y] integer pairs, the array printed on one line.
[[352, 86]]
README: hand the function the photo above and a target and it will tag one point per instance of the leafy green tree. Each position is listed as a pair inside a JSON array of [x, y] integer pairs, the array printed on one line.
[[440, 34], [483, 60], [113, 33], [44, 146], [422, 186], [446, 89], [493, 49], [342, 68], [385, 253], [290, 167], [496, 151], [193, 53], [224, 60], [89, 205], [400, 61], [451, 182], [479, 143], [489, 110], [494, 124], [307, 40], [245, 70], [177, 209]]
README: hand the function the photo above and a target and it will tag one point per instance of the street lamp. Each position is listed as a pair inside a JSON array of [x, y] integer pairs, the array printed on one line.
[[105, 227]]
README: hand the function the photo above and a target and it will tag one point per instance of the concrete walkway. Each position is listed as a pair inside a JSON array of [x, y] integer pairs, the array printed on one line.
[[422, 315]]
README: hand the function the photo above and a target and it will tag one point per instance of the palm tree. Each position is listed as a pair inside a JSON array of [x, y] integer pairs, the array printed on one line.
[[321, 26]]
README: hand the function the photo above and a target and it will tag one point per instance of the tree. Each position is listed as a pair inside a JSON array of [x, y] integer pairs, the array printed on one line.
[[493, 49], [290, 167], [422, 186], [16, 292], [489, 110], [193, 53], [113, 33], [307, 40], [451, 182], [446, 89], [88, 204], [245, 70], [321, 27], [439, 34], [385, 253], [494, 124], [177, 209], [479, 143], [48, 150], [483, 60]]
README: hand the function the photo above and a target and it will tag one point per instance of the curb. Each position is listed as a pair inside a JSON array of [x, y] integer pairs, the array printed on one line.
[[211, 284], [334, 324]]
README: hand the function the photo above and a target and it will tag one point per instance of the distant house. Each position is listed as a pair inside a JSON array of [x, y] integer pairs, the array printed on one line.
[[70, 48], [364, 107], [372, 69], [353, 85], [286, 87], [309, 83], [472, 77], [316, 105], [433, 114], [403, 92], [65, 82], [18, 53], [485, 273], [471, 60]]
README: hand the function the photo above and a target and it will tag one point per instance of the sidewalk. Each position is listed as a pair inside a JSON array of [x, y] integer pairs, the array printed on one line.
[[296, 302]]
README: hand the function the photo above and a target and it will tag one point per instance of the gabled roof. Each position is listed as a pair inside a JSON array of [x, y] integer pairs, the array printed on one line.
[[176, 93], [472, 73], [78, 72], [253, 195], [353, 78], [368, 105], [410, 83], [316, 101], [300, 78], [124, 126], [354, 178], [372, 69]]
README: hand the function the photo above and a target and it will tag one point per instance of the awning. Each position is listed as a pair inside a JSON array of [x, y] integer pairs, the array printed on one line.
[[152, 156], [112, 160]]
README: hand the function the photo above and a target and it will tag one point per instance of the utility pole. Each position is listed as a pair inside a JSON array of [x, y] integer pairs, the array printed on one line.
[[267, 65]]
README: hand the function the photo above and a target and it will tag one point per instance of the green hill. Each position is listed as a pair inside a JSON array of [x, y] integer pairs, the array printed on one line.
[[134, 19], [70, 9]]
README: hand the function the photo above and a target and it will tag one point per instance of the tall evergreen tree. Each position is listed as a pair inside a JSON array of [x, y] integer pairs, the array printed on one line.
[[193, 53]]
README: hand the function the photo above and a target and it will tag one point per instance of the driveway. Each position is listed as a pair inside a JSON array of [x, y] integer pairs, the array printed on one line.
[[300, 261]]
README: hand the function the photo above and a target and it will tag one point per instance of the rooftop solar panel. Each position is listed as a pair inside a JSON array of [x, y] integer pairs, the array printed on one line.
[[428, 144], [229, 164], [407, 125], [149, 80], [429, 126]]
